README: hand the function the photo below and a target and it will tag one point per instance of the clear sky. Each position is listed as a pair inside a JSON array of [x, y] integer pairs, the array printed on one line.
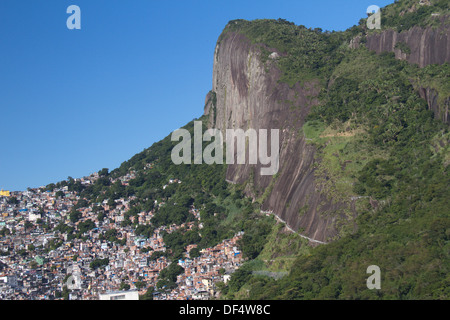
[[75, 101]]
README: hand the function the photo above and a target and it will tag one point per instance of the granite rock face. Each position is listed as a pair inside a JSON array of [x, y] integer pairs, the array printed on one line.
[[246, 94], [440, 110], [426, 46]]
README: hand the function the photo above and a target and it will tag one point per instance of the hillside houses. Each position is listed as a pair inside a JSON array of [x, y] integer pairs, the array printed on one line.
[[37, 260]]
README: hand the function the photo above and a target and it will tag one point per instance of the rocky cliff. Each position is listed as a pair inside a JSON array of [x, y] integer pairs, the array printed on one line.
[[440, 110], [422, 46], [247, 94]]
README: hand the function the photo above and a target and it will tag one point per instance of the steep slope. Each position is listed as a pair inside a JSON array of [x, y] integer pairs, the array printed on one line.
[[248, 95], [260, 82], [416, 45], [364, 166]]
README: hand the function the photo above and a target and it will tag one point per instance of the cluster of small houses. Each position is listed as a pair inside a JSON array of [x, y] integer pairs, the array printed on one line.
[[38, 264], [201, 274]]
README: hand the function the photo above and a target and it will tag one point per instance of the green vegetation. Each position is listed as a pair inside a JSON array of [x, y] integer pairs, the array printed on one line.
[[435, 77], [86, 226], [98, 263], [281, 249], [168, 276], [111, 236], [405, 14], [307, 54], [403, 47]]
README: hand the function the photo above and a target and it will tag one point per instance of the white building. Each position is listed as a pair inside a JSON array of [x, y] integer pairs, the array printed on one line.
[[34, 216], [9, 280], [120, 295]]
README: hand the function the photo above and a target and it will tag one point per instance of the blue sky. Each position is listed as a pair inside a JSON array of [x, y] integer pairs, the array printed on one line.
[[75, 101]]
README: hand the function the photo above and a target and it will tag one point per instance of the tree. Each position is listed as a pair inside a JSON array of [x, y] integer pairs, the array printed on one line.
[[13, 200], [60, 194], [148, 295], [65, 293], [5, 231], [124, 286], [239, 278], [86, 226], [171, 272], [28, 225], [140, 284], [111, 203], [98, 263], [74, 215], [156, 255], [104, 172], [194, 253], [33, 264]]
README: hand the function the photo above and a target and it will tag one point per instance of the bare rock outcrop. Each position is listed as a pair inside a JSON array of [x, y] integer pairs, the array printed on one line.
[[424, 46], [247, 94]]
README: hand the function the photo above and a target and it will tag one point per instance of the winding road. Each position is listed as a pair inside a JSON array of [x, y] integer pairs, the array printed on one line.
[[292, 230]]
